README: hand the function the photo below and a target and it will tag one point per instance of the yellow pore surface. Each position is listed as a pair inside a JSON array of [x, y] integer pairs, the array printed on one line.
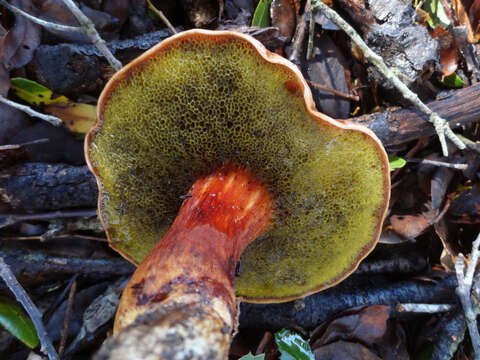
[[202, 102]]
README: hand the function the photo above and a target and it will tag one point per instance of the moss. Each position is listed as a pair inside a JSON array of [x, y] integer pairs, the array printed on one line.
[[205, 101]]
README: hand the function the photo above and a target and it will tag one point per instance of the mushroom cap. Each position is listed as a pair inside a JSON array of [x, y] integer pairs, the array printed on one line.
[[201, 99]]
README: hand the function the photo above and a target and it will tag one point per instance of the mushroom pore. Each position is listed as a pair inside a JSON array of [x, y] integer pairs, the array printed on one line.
[[207, 145]]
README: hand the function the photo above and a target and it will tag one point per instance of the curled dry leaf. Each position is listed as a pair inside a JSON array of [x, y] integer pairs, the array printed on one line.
[[365, 324], [344, 350], [469, 18], [448, 50], [18, 44], [327, 68], [283, 15], [411, 226]]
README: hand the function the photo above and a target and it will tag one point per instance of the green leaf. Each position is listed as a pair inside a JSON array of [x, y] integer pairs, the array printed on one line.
[[34, 93], [292, 346], [261, 17], [17, 323], [396, 162], [437, 13], [250, 356], [453, 81]]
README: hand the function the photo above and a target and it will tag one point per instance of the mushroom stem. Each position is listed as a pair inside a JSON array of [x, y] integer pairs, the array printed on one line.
[[187, 282]]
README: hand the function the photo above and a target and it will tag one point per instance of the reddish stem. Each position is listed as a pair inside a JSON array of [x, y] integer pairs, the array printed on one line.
[[196, 259]]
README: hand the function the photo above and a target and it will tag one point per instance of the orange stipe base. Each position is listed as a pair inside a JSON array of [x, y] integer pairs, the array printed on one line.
[[196, 258]]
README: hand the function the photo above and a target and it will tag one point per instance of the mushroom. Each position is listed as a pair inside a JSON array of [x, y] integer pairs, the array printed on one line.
[[204, 144]]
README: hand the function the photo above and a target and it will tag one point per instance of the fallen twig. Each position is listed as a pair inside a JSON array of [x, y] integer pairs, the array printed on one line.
[[89, 29], [438, 163], [66, 322], [424, 308], [354, 291], [465, 282], [441, 126], [333, 91], [162, 16], [86, 28], [51, 119], [22, 297], [33, 267]]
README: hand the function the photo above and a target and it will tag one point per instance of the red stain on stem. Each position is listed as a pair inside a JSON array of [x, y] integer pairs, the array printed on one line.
[[227, 210]]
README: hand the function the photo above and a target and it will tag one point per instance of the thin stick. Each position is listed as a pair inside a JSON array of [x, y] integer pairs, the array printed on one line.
[[18, 146], [333, 91], [438, 163], [51, 119], [311, 29], [22, 297], [46, 24], [66, 321], [162, 16], [441, 125], [10, 219], [89, 29], [463, 291], [424, 308]]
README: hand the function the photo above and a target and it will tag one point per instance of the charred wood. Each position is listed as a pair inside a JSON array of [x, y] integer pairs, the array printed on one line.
[[39, 186], [317, 308], [33, 267], [393, 127]]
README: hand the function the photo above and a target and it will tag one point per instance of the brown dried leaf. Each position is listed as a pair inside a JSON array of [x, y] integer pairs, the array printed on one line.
[[283, 15], [20, 42], [448, 50], [412, 226], [344, 350], [439, 185], [366, 325], [464, 19], [327, 68], [474, 14]]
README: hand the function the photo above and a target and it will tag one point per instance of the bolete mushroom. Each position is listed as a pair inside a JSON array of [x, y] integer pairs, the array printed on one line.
[[204, 144]]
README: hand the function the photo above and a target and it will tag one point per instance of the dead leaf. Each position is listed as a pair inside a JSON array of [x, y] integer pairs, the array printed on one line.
[[344, 350], [366, 325], [464, 19], [474, 15], [283, 15], [448, 50], [412, 226], [20, 42], [79, 118], [327, 68], [439, 185]]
